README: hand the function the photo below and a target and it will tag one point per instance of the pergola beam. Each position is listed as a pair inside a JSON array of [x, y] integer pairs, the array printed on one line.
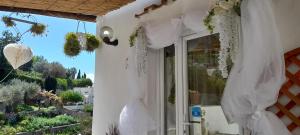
[[76, 16]]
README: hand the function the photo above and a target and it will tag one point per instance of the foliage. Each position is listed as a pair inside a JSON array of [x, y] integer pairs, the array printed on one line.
[[40, 64], [208, 21], [47, 97], [50, 84], [219, 7], [69, 84], [8, 21], [71, 96], [2, 119], [83, 76], [30, 77], [14, 93], [24, 108], [71, 72], [132, 38], [38, 29], [88, 108], [62, 84], [86, 125], [82, 83], [79, 75], [72, 45], [92, 42], [56, 70], [113, 130], [31, 124]]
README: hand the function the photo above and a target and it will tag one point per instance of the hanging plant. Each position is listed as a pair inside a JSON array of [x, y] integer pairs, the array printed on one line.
[[92, 42], [72, 46], [219, 8], [8, 21], [133, 36], [38, 29]]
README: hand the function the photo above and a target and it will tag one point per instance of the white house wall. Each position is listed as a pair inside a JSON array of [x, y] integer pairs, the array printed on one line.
[[111, 87]]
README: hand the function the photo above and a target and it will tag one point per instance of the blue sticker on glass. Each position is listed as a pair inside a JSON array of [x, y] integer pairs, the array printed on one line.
[[196, 111]]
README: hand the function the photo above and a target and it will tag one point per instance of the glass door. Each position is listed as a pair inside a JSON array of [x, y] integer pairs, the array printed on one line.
[[203, 87], [169, 91]]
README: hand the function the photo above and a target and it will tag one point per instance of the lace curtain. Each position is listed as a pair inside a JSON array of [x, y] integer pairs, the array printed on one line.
[[258, 73]]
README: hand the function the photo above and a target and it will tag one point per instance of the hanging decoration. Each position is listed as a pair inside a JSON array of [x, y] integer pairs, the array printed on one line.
[[72, 45], [76, 42], [17, 55], [221, 7], [225, 17], [36, 29], [141, 51]]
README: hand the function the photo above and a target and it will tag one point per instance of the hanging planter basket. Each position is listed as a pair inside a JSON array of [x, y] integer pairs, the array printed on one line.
[[38, 29], [82, 40], [92, 42], [72, 45], [8, 21]]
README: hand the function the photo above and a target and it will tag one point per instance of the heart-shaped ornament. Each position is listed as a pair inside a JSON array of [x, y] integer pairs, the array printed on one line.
[[17, 54]]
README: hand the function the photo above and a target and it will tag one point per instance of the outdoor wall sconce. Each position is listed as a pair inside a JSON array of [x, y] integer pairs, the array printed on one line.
[[107, 33]]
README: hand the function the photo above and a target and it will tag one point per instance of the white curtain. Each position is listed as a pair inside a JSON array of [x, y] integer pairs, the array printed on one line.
[[136, 118], [163, 33], [258, 73]]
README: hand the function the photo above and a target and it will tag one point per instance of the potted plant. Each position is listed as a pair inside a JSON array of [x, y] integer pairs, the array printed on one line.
[[92, 42], [72, 45], [37, 29], [8, 21]]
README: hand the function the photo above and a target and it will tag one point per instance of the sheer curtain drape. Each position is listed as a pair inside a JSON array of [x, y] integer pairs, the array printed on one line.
[[258, 73]]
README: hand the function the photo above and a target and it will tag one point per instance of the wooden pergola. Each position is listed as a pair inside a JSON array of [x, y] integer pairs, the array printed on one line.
[[85, 10]]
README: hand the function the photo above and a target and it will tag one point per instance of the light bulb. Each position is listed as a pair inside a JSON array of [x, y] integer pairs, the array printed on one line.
[[106, 31]]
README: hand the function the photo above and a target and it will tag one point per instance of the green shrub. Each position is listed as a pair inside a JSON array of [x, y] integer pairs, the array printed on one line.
[[50, 84], [17, 92], [27, 78], [71, 96], [2, 118], [62, 84], [88, 108], [82, 82], [24, 107]]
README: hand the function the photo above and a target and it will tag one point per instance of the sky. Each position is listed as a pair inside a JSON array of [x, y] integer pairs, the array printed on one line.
[[51, 46]]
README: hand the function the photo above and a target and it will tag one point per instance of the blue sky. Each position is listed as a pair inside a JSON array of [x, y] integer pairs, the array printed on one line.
[[51, 46]]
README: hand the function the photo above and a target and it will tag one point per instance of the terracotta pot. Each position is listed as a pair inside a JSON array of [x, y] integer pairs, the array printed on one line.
[[194, 98]]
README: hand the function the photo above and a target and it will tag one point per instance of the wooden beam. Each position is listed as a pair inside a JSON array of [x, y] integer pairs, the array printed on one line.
[[151, 8], [76, 16]]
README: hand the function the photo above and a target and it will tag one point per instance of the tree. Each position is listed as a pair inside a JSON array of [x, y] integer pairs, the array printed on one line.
[[6, 38], [71, 72], [50, 84], [57, 70], [84, 76], [79, 75], [40, 64]]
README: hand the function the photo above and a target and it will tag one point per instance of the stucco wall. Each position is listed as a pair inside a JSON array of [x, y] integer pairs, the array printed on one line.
[[111, 87]]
